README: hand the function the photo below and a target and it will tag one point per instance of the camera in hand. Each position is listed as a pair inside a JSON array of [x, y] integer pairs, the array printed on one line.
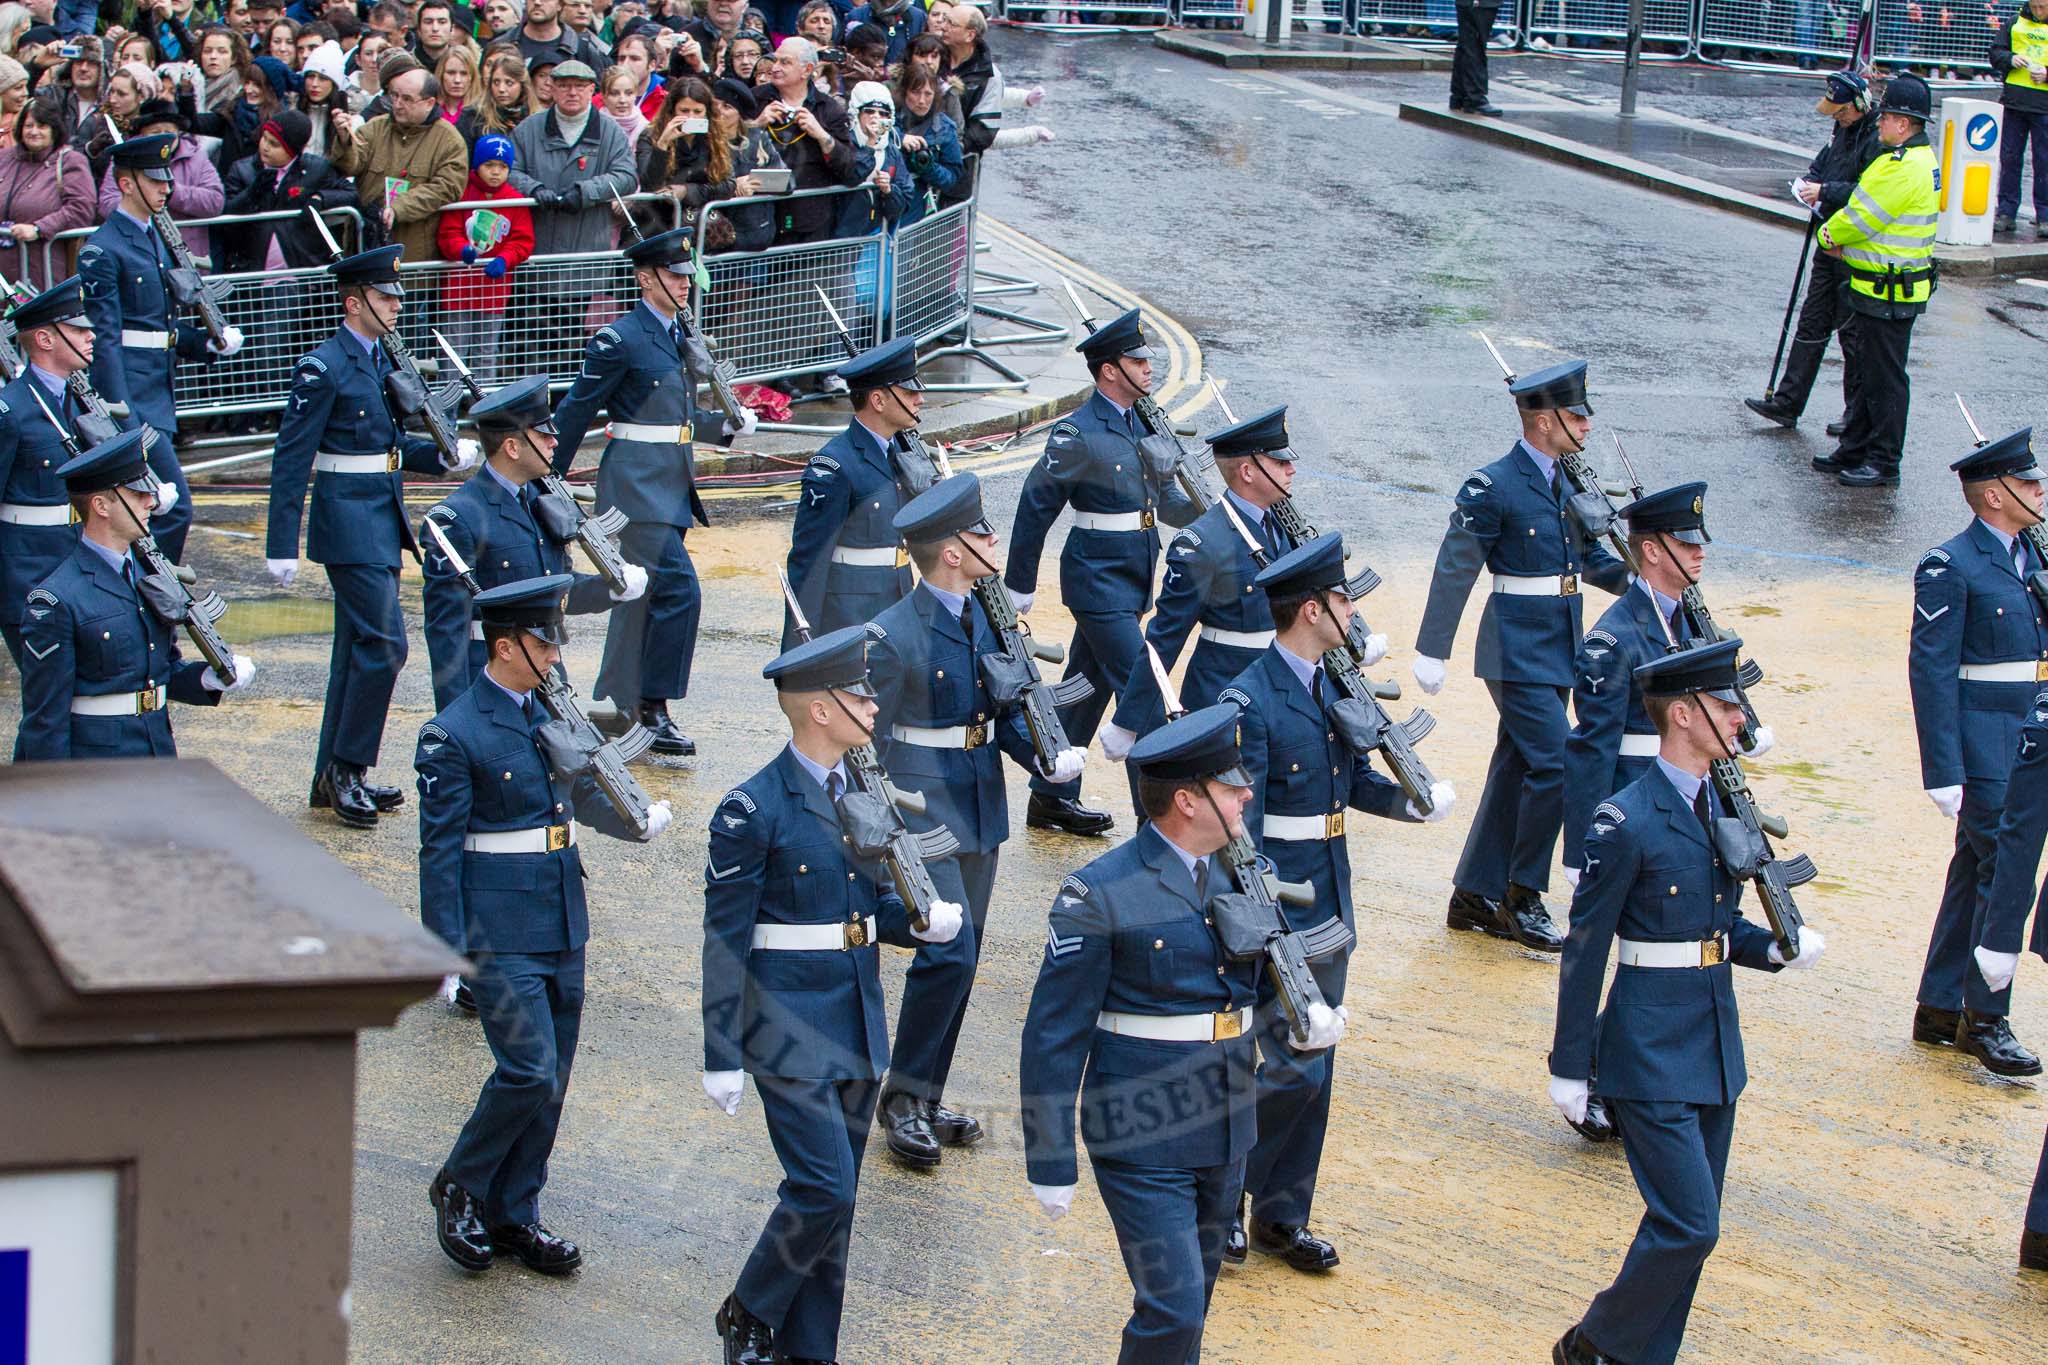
[[835, 55]]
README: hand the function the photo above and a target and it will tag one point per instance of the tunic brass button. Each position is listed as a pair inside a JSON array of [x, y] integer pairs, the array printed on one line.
[[1219, 971], [1158, 943], [504, 563], [1532, 530], [106, 635], [849, 876], [942, 673], [1333, 772], [558, 808], [1674, 891], [2001, 611], [508, 777], [152, 646], [1294, 767], [360, 412], [1119, 469], [878, 507], [1208, 919], [803, 867]]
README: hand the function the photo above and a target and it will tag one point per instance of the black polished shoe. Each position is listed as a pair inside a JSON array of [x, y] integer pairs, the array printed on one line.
[[1234, 1248], [2033, 1249], [1868, 476], [911, 1140], [537, 1248], [1065, 814], [952, 1128], [465, 998], [351, 804], [1772, 411], [1830, 463], [1936, 1028], [1298, 1247], [1574, 1349], [1527, 920], [748, 1340], [1470, 910], [383, 798], [1598, 1125], [457, 1225], [1988, 1038], [1487, 109], [667, 738], [1838, 427]]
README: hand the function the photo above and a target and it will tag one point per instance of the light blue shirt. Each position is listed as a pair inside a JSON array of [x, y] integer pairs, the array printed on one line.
[[1666, 606], [1544, 463], [2003, 538], [369, 346], [117, 561], [881, 444], [503, 482], [819, 772], [1688, 784], [1304, 669], [1188, 860], [519, 697], [1254, 517], [953, 602], [48, 381]]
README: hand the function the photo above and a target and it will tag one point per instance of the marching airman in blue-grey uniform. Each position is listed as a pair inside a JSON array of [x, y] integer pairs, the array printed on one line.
[[1304, 776], [1511, 520], [846, 562], [1139, 1010], [125, 270], [793, 996], [337, 431], [501, 880], [37, 529], [1209, 582], [643, 370], [1979, 654], [1093, 461], [98, 666], [496, 527], [1670, 1040], [939, 734]]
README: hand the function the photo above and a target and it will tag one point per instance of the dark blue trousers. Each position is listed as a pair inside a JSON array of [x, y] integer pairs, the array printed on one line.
[[2037, 1202], [531, 1005], [1950, 973], [362, 671], [795, 1279], [2021, 129], [170, 529], [1294, 1107], [651, 640], [1106, 646], [940, 978], [1171, 1223], [1514, 830], [1679, 1154]]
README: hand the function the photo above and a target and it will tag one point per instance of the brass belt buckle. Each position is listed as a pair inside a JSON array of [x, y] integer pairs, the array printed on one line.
[[857, 934], [393, 461], [1568, 585], [977, 735], [902, 557], [145, 702], [685, 434], [558, 838], [1145, 521], [1333, 825], [1226, 1026], [2041, 670], [1713, 952]]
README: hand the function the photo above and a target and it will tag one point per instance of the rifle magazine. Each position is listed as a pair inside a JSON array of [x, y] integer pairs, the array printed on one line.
[[1068, 691], [938, 842], [1331, 937], [209, 608], [632, 742], [1749, 673], [1418, 724], [1797, 871], [1361, 583]]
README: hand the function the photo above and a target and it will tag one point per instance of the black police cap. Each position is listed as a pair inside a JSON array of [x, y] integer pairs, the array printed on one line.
[[2008, 457], [1201, 744], [1262, 433], [1679, 512], [1560, 386], [836, 660], [1705, 668], [947, 508]]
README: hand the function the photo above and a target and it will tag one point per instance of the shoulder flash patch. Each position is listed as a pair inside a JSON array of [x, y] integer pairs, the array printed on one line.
[[1607, 810], [1480, 477], [433, 731], [738, 798], [44, 595], [607, 334], [1187, 542], [1233, 694], [1936, 553], [1072, 883], [874, 628], [444, 512], [312, 364], [1601, 636], [4, 407], [822, 462]]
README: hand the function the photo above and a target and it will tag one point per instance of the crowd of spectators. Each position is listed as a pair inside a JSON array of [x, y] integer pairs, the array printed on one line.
[[400, 110]]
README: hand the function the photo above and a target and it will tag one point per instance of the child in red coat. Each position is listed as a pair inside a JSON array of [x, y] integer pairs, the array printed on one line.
[[490, 242]]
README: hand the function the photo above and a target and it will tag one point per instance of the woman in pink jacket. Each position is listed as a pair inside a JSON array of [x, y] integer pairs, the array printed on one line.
[[45, 188]]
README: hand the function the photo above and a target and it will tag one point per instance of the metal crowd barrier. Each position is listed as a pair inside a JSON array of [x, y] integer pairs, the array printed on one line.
[[1943, 33], [1572, 24], [1424, 21], [1819, 31], [1086, 16]]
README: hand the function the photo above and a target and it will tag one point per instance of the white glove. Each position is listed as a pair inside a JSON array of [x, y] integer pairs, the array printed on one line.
[[1811, 946], [1997, 968], [1116, 741], [745, 424], [467, 454], [1429, 673], [944, 926], [1375, 650], [1442, 796], [636, 584], [1325, 1028], [1054, 1199], [725, 1088], [1947, 800], [1068, 765], [446, 995], [245, 671], [1570, 1097], [282, 571], [1022, 601], [166, 498], [1571, 877], [230, 342], [1764, 742], [659, 818]]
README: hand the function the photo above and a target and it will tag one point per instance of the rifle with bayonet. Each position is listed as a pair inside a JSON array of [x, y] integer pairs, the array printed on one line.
[[1357, 715], [574, 747], [95, 421], [12, 362], [163, 584], [557, 510], [1589, 505], [1161, 448], [405, 389], [1011, 676], [1249, 920], [2035, 532], [918, 466], [720, 373], [185, 283], [871, 814]]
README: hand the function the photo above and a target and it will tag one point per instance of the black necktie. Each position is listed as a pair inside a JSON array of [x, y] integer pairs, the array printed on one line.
[[1555, 470], [1271, 529], [1703, 807], [1315, 686], [530, 711], [967, 623], [834, 785], [2019, 556]]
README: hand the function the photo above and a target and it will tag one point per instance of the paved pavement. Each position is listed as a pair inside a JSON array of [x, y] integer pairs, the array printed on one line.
[[1295, 239]]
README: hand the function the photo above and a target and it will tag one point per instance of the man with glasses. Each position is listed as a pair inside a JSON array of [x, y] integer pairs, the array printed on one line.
[[813, 134], [407, 163]]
